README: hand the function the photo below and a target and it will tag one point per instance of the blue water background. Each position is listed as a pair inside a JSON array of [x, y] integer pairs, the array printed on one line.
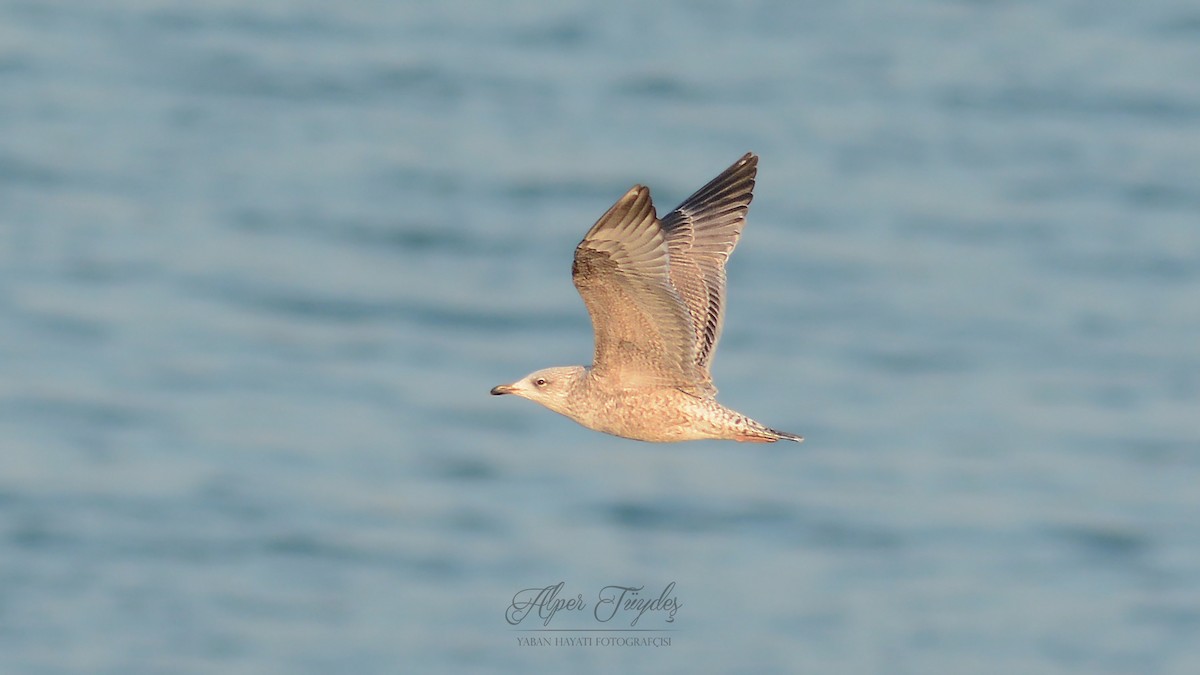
[[261, 262]]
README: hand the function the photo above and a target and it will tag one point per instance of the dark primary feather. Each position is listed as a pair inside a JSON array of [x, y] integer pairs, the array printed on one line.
[[701, 233]]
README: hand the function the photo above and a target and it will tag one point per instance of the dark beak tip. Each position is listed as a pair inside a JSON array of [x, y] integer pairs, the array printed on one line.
[[499, 390]]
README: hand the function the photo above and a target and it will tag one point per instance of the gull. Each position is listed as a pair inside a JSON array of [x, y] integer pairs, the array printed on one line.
[[655, 290]]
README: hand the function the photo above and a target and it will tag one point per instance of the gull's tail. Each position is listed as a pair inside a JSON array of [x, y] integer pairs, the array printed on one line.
[[753, 432], [783, 435], [742, 429]]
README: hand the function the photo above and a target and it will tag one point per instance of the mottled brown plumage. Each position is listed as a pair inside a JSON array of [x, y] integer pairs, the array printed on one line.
[[655, 290]]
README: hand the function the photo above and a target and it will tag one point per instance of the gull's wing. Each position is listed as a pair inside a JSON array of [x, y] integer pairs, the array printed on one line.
[[701, 233], [644, 334]]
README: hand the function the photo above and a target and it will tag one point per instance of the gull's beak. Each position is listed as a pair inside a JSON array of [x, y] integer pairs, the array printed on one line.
[[501, 389]]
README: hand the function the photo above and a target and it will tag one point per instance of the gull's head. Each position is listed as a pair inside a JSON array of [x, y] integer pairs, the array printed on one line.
[[550, 387]]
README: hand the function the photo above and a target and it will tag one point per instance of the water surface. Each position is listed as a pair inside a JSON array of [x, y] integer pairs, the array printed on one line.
[[260, 265]]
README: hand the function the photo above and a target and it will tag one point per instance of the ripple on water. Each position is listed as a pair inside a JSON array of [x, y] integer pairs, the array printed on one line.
[[777, 521]]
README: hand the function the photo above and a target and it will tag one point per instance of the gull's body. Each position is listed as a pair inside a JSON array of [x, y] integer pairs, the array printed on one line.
[[655, 290]]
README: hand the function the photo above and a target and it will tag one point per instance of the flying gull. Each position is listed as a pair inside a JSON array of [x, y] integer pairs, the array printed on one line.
[[655, 290]]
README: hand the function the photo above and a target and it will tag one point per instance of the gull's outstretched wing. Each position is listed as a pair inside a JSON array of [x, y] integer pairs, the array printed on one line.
[[644, 333], [701, 233]]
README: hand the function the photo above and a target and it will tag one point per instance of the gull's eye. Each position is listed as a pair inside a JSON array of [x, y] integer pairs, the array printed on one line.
[[540, 382]]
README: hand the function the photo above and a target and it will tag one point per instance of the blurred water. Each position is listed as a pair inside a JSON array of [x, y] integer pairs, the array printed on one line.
[[260, 264]]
